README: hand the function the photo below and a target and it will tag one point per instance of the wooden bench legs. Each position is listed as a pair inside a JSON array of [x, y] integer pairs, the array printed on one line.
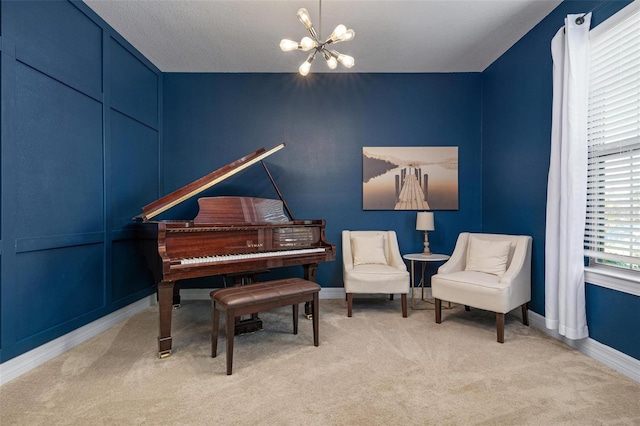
[[230, 329], [235, 303]]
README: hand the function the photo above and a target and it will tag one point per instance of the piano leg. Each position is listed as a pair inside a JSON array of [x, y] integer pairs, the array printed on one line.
[[310, 274], [165, 305], [176, 295]]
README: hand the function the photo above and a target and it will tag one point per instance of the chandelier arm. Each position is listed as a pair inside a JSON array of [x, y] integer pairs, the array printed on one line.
[[313, 33], [330, 41]]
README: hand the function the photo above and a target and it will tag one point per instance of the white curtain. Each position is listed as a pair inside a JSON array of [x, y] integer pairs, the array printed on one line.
[[567, 185]]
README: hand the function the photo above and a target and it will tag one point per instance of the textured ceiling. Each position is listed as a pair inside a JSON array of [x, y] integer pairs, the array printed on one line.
[[392, 36]]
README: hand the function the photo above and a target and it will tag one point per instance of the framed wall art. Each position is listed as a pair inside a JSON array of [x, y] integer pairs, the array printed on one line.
[[410, 178]]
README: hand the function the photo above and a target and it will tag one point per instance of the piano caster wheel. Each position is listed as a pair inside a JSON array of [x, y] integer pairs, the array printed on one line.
[[165, 354], [176, 306], [309, 316]]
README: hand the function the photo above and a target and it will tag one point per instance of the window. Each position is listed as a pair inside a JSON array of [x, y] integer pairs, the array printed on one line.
[[612, 234]]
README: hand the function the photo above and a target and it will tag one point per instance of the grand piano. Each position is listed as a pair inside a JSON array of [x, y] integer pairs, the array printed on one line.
[[230, 236]]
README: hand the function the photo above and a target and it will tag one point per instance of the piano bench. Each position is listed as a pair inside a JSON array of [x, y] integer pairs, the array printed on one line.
[[252, 298]]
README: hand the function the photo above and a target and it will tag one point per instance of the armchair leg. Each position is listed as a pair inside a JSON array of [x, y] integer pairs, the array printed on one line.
[[525, 314], [403, 297], [467, 308], [391, 296], [438, 310], [500, 326], [349, 304]]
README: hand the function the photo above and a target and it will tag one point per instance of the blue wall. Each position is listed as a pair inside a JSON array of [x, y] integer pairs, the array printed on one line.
[[80, 141], [517, 99], [325, 120]]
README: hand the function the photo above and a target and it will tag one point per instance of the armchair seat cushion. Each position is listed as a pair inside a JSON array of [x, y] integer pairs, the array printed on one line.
[[471, 288], [375, 278], [476, 278]]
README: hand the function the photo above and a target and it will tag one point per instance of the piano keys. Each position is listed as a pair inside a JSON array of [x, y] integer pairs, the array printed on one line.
[[229, 235], [246, 256]]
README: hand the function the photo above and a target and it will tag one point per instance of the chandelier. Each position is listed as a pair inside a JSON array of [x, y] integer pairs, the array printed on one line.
[[341, 33]]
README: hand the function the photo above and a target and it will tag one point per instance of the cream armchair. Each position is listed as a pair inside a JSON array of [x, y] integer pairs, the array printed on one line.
[[486, 271], [372, 264]]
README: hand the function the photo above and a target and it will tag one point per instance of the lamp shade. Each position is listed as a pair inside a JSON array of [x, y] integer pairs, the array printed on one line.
[[424, 221]]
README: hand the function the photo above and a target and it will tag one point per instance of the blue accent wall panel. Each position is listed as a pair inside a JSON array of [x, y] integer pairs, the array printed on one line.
[[57, 38], [516, 143], [39, 305], [325, 120], [129, 271], [133, 86], [134, 174], [72, 167], [59, 166]]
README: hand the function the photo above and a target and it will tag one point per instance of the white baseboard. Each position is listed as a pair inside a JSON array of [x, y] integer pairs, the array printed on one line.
[[610, 357], [21, 364]]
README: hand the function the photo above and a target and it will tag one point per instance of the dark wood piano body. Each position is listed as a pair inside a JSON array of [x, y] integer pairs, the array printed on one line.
[[230, 235]]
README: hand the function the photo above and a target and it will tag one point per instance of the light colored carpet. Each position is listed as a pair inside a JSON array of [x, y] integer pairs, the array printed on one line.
[[375, 368]]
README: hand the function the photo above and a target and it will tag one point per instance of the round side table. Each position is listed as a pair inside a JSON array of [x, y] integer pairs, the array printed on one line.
[[421, 257]]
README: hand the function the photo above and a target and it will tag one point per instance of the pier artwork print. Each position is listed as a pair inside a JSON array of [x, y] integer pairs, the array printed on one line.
[[410, 178]]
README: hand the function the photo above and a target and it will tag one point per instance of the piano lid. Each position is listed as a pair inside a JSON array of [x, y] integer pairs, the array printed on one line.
[[205, 182]]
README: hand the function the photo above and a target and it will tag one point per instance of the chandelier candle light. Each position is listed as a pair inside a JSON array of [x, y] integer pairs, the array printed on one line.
[[424, 222], [341, 33]]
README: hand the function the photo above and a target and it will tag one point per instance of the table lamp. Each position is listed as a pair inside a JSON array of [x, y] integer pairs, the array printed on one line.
[[424, 222]]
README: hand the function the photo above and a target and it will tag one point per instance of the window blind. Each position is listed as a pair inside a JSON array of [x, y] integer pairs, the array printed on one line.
[[612, 234]]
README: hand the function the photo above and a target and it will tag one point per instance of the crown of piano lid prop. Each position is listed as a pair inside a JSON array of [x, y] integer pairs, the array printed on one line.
[[176, 197]]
